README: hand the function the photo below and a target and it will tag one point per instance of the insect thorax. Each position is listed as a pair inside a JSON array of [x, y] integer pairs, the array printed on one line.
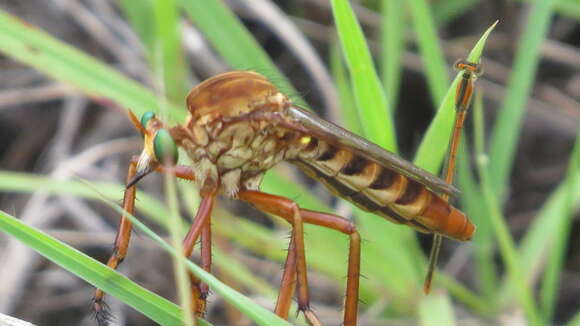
[[234, 154]]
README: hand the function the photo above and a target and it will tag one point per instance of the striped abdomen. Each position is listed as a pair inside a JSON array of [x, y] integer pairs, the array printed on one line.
[[376, 188]]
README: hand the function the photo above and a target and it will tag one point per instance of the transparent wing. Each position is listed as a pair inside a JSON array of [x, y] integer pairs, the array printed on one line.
[[327, 131]]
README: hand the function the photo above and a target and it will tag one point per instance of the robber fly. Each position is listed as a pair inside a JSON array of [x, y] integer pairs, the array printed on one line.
[[239, 126]]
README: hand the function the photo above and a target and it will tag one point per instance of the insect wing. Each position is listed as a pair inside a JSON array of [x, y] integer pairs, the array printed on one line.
[[338, 136]]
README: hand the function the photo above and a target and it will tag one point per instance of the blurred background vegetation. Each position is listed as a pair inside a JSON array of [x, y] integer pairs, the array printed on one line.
[[70, 69]]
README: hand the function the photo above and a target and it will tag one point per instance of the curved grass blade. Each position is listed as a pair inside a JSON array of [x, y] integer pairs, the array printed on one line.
[[392, 48], [400, 247], [233, 41], [436, 309], [502, 233], [484, 249], [34, 47], [346, 100], [430, 154], [167, 56], [255, 312], [507, 127], [368, 91], [555, 264], [150, 304], [432, 55], [445, 11]]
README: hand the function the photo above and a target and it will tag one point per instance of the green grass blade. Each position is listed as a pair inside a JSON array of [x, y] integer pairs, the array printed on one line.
[[348, 106], [34, 47], [368, 91], [569, 8], [388, 245], [392, 48], [327, 249], [430, 154], [436, 309], [555, 264], [433, 59], [484, 247], [253, 311], [464, 295], [150, 304], [505, 241], [167, 57], [140, 15], [508, 125], [540, 235], [233, 41], [566, 8], [445, 11], [575, 320], [174, 224], [155, 211]]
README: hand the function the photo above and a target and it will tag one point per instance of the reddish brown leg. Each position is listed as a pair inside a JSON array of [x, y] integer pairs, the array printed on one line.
[[288, 209], [287, 283], [200, 224], [124, 233], [120, 247], [205, 257]]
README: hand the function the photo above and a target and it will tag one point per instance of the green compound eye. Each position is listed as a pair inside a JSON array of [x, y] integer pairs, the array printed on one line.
[[145, 118], [164, 148]]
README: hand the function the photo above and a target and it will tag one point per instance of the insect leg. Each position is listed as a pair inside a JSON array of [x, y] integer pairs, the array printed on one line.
[[120, 247], [463, 96], [286, 292], [180, 171], [353, 275], [199, 225], [288, 209], [205, 259]]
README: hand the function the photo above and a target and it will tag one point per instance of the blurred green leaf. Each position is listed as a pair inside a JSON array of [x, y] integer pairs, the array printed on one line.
[[347, 103], [555, 264], [140, 15], [431, 53], [392, 47], [501, 230], [508, 123], [34, 47], [167, 57], [445, 11], [367, 88], [430, 154], [255, 312], [436, 309], [233, 41], [150, 304]]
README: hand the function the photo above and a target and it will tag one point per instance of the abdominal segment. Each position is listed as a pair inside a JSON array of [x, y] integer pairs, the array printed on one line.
[[375, 188]]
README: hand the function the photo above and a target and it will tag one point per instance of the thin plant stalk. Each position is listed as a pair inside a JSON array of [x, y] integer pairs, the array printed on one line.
[[502, 233], [180, 270]]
